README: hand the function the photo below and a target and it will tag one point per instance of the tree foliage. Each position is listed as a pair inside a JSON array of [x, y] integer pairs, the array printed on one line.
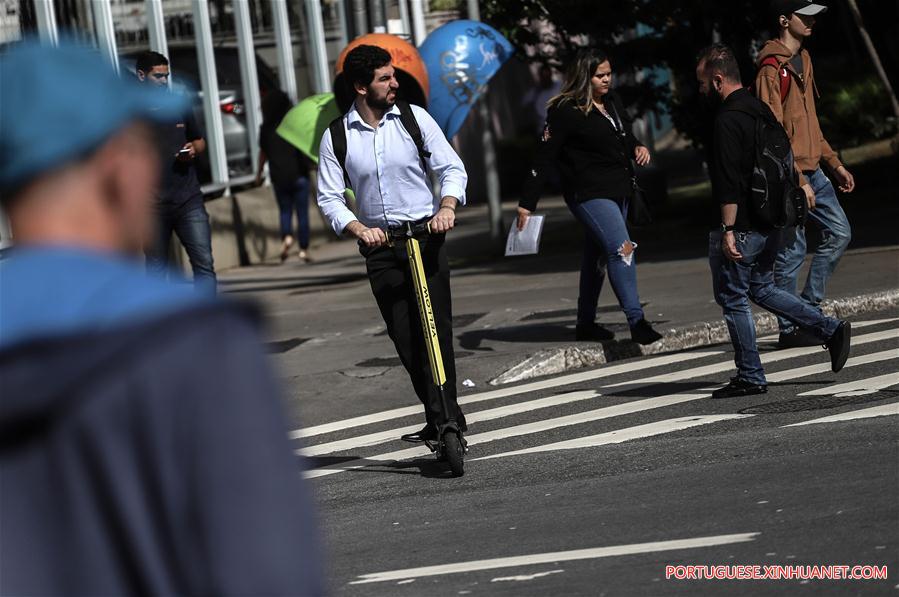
[[672, 33]]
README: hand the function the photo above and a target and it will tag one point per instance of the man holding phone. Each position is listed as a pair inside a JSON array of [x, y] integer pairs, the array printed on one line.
[[180, 200]]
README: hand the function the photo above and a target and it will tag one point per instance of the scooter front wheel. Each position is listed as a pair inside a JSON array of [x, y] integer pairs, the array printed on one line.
[[454, 453]]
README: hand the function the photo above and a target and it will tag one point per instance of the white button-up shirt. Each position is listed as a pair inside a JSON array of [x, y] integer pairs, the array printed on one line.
[[386, 173]]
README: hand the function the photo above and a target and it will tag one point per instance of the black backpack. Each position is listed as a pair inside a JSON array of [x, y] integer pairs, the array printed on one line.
[[407, 119], [776, 201]]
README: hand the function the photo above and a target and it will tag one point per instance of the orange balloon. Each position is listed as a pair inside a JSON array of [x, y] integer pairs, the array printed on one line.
[[404, 56]]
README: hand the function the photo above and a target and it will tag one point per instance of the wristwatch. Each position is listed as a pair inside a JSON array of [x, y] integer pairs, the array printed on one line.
[[726, 228]]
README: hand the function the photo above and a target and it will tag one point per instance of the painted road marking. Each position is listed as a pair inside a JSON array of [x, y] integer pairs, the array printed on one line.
[[771, 357], [870, 385], [569, 420], [622, 435], [884, 410], [518, 430], [588, 375], [475, 417], [525, 577], [856, 325], [563, 380], [866, 359], [553, 557]]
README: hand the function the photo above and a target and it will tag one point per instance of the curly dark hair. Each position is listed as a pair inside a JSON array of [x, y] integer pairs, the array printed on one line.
[[362, 62]]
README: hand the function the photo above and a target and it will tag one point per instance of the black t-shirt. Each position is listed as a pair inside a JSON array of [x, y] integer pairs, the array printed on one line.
[[796, 63], [593, 156], [285, 162], [733, 157], [178, 186]]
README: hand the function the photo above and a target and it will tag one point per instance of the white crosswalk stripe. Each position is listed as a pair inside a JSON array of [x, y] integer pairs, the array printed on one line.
[[534, 422], [767, 358], [867, 359], [476, 417], [553, 558], [883, 410], [622, 435], [856, 325], [869, 385], [560, 399], [562, 380]]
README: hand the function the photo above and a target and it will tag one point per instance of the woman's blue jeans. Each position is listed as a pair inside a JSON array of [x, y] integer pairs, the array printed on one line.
[[294, 197], [606, 245]]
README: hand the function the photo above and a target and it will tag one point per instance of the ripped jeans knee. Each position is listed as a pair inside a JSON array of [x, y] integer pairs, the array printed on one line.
[[625, 252]]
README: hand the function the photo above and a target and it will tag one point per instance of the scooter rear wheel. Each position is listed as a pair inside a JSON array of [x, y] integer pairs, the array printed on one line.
[[454, 453]]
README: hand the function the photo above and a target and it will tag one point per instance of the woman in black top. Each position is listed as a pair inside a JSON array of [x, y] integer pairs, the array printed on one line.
[[289, 171], [587, 135]]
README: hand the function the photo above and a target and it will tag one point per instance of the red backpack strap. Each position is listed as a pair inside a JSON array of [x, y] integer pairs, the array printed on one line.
[[783, 75]]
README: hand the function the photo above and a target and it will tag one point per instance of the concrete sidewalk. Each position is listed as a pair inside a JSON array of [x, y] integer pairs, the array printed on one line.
[[514, 318]]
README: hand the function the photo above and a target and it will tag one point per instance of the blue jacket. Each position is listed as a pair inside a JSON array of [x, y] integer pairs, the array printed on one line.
[[142, 446]]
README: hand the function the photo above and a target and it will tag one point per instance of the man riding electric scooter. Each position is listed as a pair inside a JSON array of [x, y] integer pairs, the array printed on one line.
[[383, 149]]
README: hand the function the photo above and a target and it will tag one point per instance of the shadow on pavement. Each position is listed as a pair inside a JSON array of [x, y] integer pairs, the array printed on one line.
[[428, 468], [266, 284], [519, 333]]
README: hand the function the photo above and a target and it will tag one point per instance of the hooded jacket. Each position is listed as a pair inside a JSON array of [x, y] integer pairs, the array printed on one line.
[[796, 112], [142, 447]]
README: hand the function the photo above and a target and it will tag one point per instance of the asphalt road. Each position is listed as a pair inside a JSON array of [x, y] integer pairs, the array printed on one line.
[[620, 471]]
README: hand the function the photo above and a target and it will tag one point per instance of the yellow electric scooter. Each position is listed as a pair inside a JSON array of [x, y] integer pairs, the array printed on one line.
[[449, 445]]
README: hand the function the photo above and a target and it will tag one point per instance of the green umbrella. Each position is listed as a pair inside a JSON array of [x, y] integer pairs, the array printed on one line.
[[306, 122]]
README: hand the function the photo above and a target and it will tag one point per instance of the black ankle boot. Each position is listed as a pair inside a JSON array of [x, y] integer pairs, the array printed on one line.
[[642, 333], [593, 332]]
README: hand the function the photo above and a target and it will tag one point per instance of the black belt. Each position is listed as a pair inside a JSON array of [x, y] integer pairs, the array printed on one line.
[[407, 229]]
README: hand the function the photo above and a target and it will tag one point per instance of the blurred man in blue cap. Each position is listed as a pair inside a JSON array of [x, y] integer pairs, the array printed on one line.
[[142, 447]]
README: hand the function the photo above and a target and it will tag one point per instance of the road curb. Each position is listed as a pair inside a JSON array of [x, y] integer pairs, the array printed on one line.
[[553, 361]]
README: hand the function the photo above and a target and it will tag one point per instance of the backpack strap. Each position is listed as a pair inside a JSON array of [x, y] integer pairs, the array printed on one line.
[[407, 119], [338, 142], [783, 75]]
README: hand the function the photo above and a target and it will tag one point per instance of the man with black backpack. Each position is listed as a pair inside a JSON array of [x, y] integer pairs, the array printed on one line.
[[785, 82], [756, 203], [382, 149]]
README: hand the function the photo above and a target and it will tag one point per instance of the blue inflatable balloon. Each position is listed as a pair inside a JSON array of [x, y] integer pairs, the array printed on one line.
[[461, 57]]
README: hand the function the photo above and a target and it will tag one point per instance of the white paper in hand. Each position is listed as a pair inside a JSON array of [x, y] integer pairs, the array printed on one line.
[[527, 241]]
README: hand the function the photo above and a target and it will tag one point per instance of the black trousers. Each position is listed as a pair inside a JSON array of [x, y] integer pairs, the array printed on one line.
[[391, 283]]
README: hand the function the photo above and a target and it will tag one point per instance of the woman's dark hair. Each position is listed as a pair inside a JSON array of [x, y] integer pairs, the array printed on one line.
[[720, 58], [362, 62], [147, 60], [275, 106], [577, 85]]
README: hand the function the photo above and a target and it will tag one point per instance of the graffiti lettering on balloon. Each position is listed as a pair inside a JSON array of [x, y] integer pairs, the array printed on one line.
[[400, 57], [457, 73], [488, 55]]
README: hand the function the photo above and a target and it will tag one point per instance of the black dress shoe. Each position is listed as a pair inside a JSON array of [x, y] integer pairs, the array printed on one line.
[[427, 433], [838, 346], [739, 387], [642, 333], [593, 332], [797, 338]]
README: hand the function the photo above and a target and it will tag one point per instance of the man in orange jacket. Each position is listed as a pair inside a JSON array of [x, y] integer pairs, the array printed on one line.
[[785, 81]]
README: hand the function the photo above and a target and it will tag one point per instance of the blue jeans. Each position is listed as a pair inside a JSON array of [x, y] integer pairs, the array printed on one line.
[[290, 197], [735, 283], [607, 233], [835, 237], [193, 230]]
